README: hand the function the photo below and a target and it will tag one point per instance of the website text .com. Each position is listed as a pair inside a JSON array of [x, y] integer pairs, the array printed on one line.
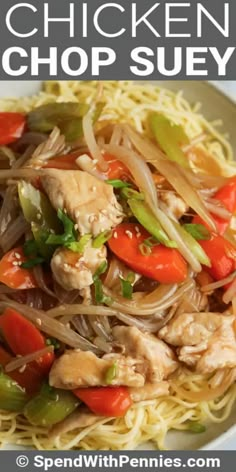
[[108, 461]]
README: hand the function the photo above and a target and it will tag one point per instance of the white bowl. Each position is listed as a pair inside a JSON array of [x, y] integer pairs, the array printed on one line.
[[214, 105]]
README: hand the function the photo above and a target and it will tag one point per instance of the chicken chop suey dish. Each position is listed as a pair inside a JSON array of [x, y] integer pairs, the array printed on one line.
[[117, 269]]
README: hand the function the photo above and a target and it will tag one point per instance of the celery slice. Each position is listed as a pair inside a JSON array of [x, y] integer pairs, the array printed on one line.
[[50, 406], [12, 396]]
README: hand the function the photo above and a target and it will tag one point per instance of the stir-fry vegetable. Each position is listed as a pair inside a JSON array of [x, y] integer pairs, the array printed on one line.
[[196, 428], [69, 235], [116, 170], [50, 406], [64, 162], [11, 272], [12, 126], [66, 116], [170, 137], [100, 297], [37, 208], [12, 396], [220, 252], [126, 285], [79, 246], [106, 401], [227, 197], [111, 373], [117, 183], [163, 264], [29, 377], [147, 219], [41, 215], [194, 246], [222, 255], [24, 338], [101, 239], [197, 231]]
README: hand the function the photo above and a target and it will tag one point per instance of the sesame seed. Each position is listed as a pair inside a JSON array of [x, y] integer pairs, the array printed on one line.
[[137, 229], [95, 161], [94, 188], [65, 265], [77, 265], [129, 234], [22, 369], [77, 213], [115, 235], [17, 255], [138, 235], [16, 263], [38, 216], [68, 325], [38, 321], [76, 227]]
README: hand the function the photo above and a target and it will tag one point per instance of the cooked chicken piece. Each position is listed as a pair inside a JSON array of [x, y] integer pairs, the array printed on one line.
[[158, 359], [81, 418], [207, 341], [72, 270], [82, 369], [175, 205], [149, 391], [89, 202]]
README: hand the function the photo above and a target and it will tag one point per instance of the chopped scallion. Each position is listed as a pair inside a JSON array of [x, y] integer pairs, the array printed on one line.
[[99, 295], [151, 242], [128, 193], [195, 427], [100, 270], [30, 248], [79, 246], [69, 235]]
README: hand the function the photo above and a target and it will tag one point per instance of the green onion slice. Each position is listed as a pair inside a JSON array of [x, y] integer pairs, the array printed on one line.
[[79, 246], [126, 285], [128, 193], [195, 427], [32, 262], [198, 231], [111, 373]]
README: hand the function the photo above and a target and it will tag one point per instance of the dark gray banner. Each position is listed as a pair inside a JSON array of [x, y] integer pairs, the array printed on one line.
[[126, 461], [124, 39]]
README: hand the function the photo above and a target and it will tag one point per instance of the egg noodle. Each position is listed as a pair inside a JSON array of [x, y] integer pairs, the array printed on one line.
[[148, 420]]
